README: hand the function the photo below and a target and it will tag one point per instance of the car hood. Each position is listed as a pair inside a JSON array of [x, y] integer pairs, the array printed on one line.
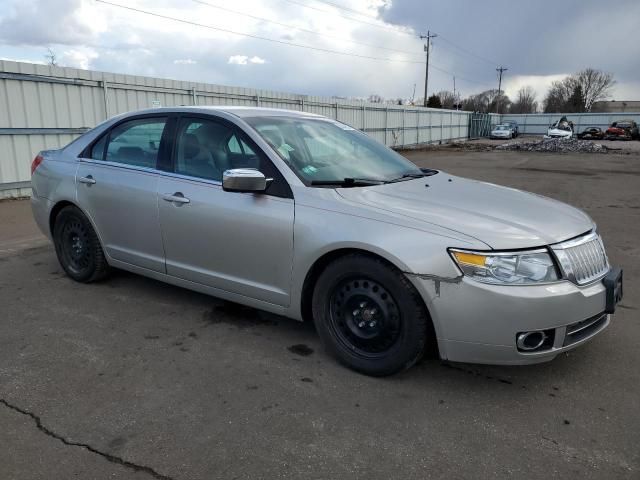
[[501, 217]]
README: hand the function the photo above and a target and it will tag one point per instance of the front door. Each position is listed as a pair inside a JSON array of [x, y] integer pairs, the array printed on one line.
[[116, 186], [237, 242]]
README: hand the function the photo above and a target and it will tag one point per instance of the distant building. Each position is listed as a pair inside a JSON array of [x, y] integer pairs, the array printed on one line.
[[616, 106]]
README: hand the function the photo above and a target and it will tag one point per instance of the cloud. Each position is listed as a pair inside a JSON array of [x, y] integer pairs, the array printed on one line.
[[43, 22], [78, 58], [529, 40], [238, 60], [245, 60]]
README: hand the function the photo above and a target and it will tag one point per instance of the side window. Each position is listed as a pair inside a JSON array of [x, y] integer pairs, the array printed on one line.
[[202, 148], [136, 142], [97, 152], [234, 145]]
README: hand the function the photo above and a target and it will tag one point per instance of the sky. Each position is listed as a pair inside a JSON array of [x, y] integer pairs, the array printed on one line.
[[346, 48]]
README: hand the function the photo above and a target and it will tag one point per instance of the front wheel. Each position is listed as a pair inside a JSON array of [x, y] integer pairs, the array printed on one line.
[[369, 316], [78, 247]]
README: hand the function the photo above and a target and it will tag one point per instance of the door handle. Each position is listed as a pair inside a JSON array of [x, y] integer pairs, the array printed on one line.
[[88, 180], [177, 197]]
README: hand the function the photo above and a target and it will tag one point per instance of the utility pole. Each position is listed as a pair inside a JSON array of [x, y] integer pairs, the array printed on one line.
[[500, 70], [427, 47], [455, 99]]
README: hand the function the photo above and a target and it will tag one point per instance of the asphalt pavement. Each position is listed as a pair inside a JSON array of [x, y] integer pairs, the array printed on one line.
[[132, 378]]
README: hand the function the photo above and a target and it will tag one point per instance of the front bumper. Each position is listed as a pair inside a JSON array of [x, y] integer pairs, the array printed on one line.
[[479, 323]]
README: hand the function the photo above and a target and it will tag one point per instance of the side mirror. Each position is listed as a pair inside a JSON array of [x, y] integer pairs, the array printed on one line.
[[244, 180]]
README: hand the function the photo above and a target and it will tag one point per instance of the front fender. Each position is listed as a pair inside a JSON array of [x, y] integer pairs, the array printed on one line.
[[318, 232]]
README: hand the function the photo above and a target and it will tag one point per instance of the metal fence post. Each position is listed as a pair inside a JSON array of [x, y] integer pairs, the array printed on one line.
[[194, 95], [404, 137], [106, 99], [386, 124], [364, 117], [302, 104], [257, 100], [336, 105]]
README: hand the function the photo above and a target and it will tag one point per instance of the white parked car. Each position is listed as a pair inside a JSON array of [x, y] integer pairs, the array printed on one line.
[[501, 132]]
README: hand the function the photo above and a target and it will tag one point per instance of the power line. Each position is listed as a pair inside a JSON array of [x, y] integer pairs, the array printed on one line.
[[280, 42], [313, 32], [346, 8], [468, 52], [385, 25], [257, 37]]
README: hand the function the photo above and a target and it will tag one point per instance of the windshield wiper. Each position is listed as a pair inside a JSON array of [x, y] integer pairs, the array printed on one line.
[[424, 172], [347, 182]]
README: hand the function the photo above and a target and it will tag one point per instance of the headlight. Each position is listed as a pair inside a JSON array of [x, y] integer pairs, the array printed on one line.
[[508, 268]]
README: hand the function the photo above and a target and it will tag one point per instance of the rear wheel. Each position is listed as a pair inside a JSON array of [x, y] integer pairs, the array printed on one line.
[[77, 246], [369, 316]]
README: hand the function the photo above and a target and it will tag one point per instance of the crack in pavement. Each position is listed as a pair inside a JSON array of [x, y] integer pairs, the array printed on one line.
[[107, 456]]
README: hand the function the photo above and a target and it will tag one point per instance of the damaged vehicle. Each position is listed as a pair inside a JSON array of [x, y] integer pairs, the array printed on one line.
[[591, 133], [623, 130], [563, 128], [306, 217]]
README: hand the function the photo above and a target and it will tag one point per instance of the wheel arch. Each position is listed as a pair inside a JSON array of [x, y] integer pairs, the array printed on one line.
[[57, 208], [327, 258]]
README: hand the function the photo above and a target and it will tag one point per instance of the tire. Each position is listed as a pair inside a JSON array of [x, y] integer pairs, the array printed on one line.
[[369, 316], [78, 247]]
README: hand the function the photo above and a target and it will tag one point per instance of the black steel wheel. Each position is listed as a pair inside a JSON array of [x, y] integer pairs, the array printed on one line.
[[77, 246], [369, 316], [364, 316]]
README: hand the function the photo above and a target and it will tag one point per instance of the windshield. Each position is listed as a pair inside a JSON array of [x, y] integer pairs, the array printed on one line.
[[323, 150], [502, 127]]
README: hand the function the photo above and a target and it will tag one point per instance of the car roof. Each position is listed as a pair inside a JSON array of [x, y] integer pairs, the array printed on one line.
[[239, 111]]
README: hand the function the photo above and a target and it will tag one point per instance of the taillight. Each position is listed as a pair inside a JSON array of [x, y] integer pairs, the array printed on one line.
[[36, 162]]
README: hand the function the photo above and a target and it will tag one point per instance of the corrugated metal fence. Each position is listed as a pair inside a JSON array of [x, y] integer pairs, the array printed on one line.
[[537, 123], [45, 107]]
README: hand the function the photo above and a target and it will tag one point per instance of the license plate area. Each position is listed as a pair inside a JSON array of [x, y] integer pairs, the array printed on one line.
[[613, 283]]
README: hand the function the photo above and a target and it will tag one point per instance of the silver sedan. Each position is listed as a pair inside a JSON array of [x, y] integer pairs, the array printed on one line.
[[306, 217]]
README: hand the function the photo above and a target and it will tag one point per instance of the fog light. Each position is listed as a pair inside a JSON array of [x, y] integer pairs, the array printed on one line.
[[536, 340]]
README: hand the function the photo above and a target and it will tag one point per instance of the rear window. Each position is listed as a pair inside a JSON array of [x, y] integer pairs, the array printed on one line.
[[135, 142]]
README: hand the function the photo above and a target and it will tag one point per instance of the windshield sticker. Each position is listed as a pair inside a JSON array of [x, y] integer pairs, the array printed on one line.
[[309, 170]]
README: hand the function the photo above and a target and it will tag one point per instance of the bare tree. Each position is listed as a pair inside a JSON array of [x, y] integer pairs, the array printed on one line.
[[447, 99], [525, 101], [487, 102], [52, 58], [578, 92], [375, 98], [595, 84]]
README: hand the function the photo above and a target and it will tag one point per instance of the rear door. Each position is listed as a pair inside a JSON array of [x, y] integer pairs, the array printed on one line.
[[237, 242], [116, 185]]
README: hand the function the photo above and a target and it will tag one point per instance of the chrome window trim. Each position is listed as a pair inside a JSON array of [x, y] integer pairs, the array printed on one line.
[[157, 171], [124, 166]]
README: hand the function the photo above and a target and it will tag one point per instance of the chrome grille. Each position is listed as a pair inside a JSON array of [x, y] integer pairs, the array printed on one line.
[[583, 259]]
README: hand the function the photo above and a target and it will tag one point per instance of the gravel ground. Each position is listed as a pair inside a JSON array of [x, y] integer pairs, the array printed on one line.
[[134, 379], [610, 146]]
